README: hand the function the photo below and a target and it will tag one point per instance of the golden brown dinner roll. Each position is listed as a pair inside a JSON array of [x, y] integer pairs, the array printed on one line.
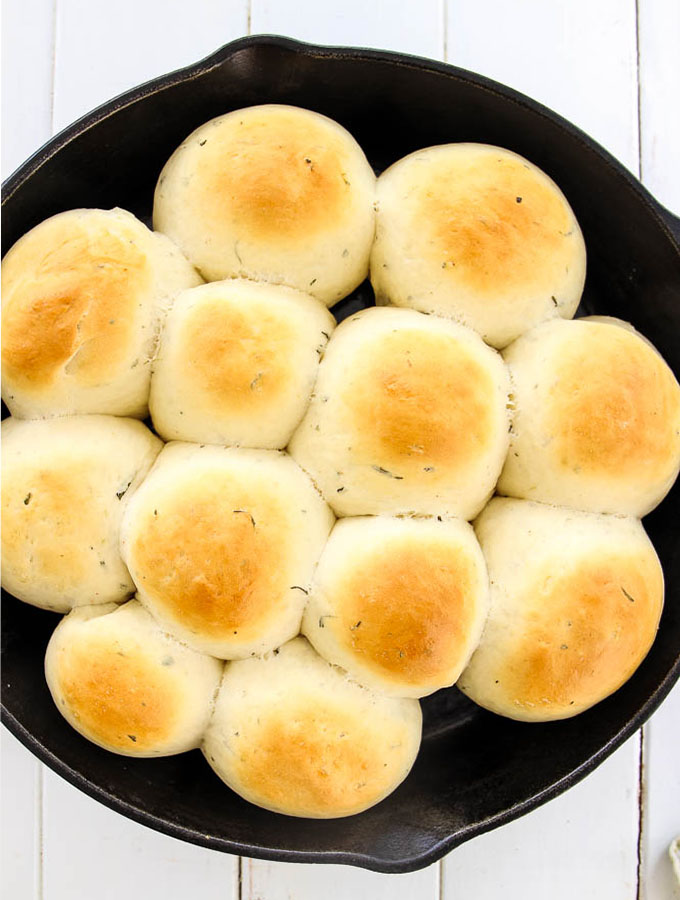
[[399, 603], [65, 484], [478, 234], [408, 415], [273, 193], [124, 684], [82, 295], [576, 599], [222, 542], [597, 418], [295, 735], [237, 363]]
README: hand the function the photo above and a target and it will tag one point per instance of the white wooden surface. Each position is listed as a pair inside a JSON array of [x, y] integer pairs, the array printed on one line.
[[612, 67]]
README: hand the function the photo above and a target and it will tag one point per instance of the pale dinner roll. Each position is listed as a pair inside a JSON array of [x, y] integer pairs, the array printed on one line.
[[408, 415], [399, 603], [125, 685], [65, 484], [295, 735], [221, 543], [237, 363], [576, 599], [272, 193], [597, 418], [82, 298], [478, 234]]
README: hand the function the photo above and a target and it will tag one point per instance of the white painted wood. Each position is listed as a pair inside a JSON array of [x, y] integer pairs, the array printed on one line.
[[92, 852], [659, 37], [27, 50], [661, 808], [104, 49], [659, 32], [411, 27], [579, 57], [20, 820], [580, 845], [281, 881]]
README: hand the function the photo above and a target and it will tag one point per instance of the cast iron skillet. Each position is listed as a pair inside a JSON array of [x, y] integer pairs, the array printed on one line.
[[475, 770]]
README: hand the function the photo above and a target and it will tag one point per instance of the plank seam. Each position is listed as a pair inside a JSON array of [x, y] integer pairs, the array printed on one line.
[[639, 888], [639, 87]]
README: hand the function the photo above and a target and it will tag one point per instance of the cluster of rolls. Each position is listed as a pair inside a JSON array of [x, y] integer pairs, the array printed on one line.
[[300, 550]]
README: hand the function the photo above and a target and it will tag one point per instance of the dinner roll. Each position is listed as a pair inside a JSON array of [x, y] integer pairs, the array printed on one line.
[[124, 684], [576, 599], [222, 542], [237, 363], [293, 734], [480, 235], [408, 415], [399, 603], [82, 295], [65, 484], [597, 419], [272, 193]]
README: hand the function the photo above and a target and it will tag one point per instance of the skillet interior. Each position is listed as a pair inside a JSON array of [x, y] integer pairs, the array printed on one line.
[[475, 770]]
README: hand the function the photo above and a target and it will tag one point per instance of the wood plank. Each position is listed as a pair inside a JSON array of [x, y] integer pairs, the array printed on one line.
[[659, 35], [576, 56], [27, 58], [285, 881], [659, 38], [411, 27], [27, 51], [90, 851], [661, 807], [582, 844], [102, 51], [20, 822]]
